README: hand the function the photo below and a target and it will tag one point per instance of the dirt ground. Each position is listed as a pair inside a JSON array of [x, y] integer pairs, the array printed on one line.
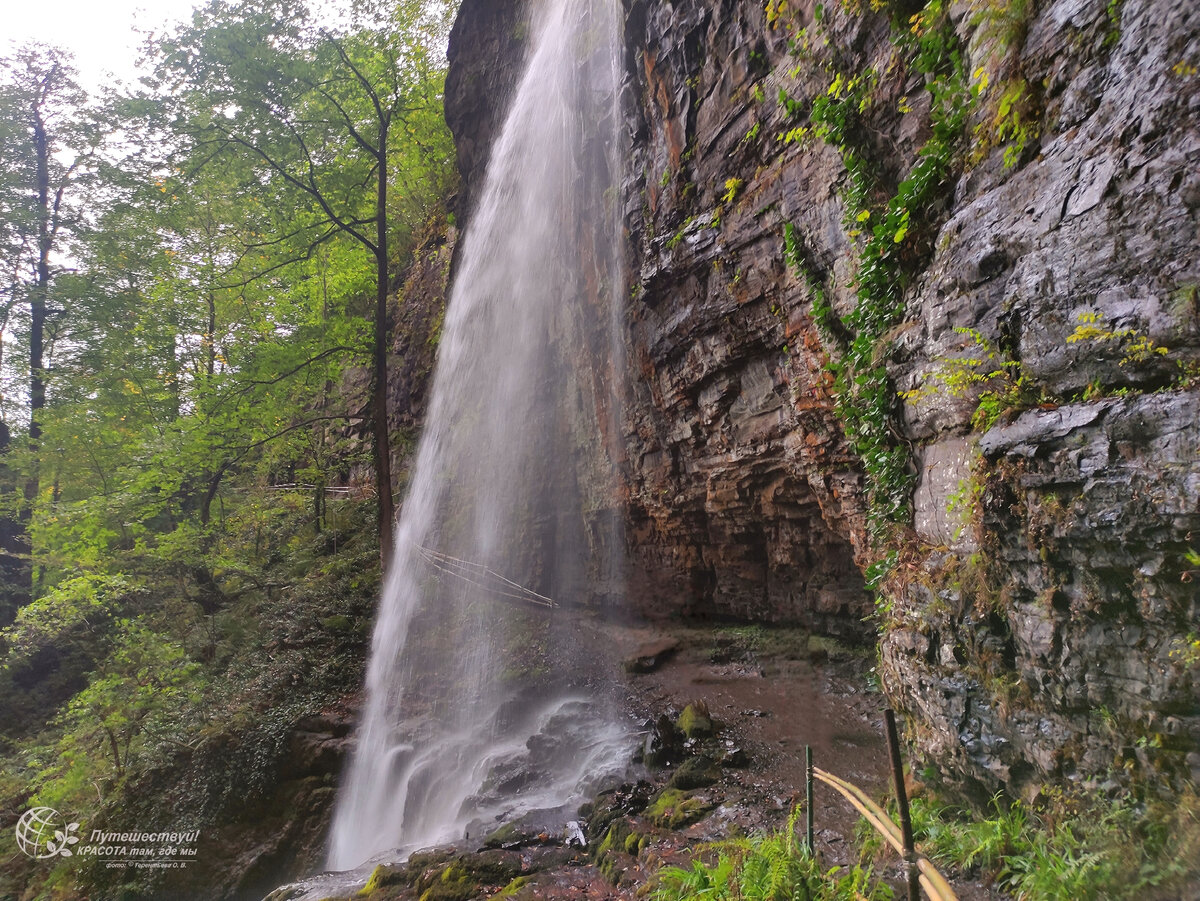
[[769, 692]]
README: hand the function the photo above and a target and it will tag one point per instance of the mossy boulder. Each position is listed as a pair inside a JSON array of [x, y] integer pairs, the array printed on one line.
[[454, 883], [438, 876], [613, 839], [609, 805], [695, 772], [614, 855], [695, 722], [510, 835], [674, 809], [384, 876]]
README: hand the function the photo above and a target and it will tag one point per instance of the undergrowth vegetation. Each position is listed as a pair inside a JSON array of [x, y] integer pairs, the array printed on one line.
[[771, 867], [1079, 847], [161, 695]]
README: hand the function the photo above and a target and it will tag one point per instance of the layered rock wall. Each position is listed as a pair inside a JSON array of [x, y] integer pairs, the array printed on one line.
[[1045, 634], [744, 498], [1035, 608]]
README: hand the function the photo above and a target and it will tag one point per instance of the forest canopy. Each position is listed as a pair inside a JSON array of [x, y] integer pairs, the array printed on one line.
[[198, 278]]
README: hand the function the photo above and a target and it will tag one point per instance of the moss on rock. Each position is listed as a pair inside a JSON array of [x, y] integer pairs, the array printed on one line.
[[695, 722], [696, 772], [674, 809], [507, 834], [383, 876], [513, 888]]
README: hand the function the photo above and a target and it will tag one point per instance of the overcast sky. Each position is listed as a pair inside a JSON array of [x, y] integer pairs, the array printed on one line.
[[103, 34]]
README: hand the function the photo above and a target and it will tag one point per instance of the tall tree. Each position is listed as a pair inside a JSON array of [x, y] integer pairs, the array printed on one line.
[[323, 114], [46, 144]]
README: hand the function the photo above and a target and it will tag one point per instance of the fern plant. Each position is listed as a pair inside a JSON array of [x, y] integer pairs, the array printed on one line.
[[772, 867]]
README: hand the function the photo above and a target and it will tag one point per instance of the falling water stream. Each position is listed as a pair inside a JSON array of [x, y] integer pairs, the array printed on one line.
[[481, 704]]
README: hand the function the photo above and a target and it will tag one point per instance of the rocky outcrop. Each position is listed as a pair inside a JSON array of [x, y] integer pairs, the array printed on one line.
[[1036, 607], [286, 832], [1064, 655], [743, 493], [1059, 650], [416, 329], [486, 52]]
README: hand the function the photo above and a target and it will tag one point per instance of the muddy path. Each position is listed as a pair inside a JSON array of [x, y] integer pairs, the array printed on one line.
[[771, 692], [767, 694]]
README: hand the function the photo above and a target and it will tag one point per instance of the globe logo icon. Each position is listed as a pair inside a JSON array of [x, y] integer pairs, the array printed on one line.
[[41, 833]]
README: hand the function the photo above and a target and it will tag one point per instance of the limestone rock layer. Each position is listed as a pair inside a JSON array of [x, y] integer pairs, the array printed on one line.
[[1037, 610]]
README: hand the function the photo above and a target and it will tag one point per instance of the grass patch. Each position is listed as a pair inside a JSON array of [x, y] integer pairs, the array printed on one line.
[[772, 867], [1083, 847]]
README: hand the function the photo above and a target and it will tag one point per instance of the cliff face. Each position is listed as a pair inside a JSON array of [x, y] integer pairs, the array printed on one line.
[[744, 498], [486, 52], [1053, 642], [993, 213]]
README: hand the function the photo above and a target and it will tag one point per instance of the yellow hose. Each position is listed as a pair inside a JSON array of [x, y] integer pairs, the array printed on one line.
[[933, 882]]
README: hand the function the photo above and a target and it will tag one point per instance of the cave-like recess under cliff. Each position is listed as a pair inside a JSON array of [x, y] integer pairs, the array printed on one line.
[[1033, 608]]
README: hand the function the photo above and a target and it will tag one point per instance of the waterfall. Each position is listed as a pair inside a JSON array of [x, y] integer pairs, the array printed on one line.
[[481, 704]]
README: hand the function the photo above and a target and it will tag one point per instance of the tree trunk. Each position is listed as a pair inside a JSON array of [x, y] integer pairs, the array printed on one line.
[[208, 341], [37, 321], [15, 571], [383, 450], [37, 299]]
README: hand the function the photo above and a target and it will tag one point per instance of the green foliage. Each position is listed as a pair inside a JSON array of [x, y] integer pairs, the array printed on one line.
[[1139, 348], [876, 574], [1011, 113], [891, 239], [174, 702], [678, 237], [43, 181], [1070, 847], [1186, 651], [144, 680], [1012, 117], [218, 302], [773, 867], [827, 320], [1015, 123], [997, 383], [199, 589], [965, 502], [84, 604], [1112, 12], [1004, 20]]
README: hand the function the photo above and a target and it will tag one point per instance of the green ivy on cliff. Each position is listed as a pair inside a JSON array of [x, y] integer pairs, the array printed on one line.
[[892, 238]]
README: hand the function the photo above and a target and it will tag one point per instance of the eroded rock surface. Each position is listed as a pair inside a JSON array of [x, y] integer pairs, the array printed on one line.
[[1043, 591]]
